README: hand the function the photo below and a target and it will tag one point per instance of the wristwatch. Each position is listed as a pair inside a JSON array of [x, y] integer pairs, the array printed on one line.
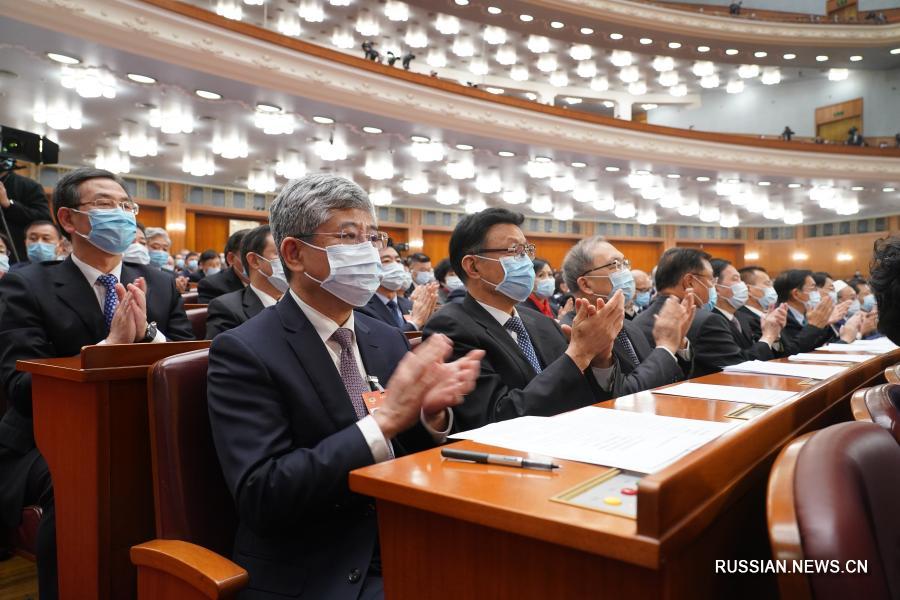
[[150, 334]]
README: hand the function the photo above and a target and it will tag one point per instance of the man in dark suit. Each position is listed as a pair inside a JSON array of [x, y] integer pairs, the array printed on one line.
[[286, 402], [52, 309], [530, 368], [389, 305], [22, 202], [811, 318], [761, 297], [589, 269], [267, 284], [230, 279]]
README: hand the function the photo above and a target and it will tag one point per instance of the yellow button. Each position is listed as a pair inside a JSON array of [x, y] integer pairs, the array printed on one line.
[[612, 501]]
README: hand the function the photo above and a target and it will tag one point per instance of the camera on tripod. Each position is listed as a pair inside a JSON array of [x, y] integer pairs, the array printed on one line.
[[16, 144]]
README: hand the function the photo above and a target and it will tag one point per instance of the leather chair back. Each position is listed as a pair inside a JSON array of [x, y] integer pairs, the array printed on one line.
[[879, 404], [191, 499], [197, 317], [833, 496], [190, 297], [892, 374]]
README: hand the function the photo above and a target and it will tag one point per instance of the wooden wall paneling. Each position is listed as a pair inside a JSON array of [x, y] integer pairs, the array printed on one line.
[[436, 245], [839, 111], [152, 216], [176, 216], [190, 232], [397, 234], [733, 253], [777, 256], [553, 250], [643, 255], [210, 232]]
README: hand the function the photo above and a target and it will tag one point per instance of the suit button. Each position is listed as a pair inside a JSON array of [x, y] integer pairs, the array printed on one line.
[[354, 576]]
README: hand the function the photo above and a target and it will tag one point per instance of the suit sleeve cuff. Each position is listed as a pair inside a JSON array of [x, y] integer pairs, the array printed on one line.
[[605, 376], [439, 437], [374, 438], [669, 352]]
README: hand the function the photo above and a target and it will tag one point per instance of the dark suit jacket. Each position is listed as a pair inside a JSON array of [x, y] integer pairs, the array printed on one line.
[[376, 309], [657, 367], [804, 338], [50, 310], [217, 285], [230, 310], [717, 343], [508, 386], [749, 323], [645, 320], [286, 437], [29, 205]]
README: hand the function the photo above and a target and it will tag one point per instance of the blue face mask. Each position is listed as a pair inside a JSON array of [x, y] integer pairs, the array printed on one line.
[[179, 263], [453, 283], [642, 299], [833, 296], [620, 280], [41, 251], [545, 288], [868, 303], [193, 264], [713, 297], [814, 299], [769, 298], [112, 229], [159, 258], [212, 271], [4, 263], [854, 308], [424, 277], [739, 295], [518, 276]]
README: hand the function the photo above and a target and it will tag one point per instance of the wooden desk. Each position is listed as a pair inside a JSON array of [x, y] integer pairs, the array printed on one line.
[[456, 530], [90, 423]]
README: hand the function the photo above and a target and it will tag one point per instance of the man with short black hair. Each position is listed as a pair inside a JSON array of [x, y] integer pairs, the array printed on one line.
[[53, 309], [884, 283], [230, 279], [389, 306], [810, 316], [209, 264], [22, 201], [42, 241], [529, 368], [761, 298]]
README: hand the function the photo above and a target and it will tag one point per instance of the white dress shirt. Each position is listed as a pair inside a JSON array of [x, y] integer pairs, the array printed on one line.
[[92, 274], [604, 376], [372, 433], [266, 299]]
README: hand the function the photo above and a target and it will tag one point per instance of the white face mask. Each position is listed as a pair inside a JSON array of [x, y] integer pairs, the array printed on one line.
[[354, 272], [424, 277], [393, 276], [277, 279], [407, 280], [137, 253]]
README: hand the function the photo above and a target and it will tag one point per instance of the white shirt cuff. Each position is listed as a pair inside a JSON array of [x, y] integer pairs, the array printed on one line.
[[439, 437], [160, 338], [374, 438], [685, 353], [604, 376]]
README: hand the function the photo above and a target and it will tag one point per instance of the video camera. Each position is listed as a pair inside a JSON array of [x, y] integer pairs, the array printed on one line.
[[16, 144]]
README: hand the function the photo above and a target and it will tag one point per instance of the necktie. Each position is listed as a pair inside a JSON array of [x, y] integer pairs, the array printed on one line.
[[111, 302], [515, 325], [622, 338], [350, 375], [395, 312]]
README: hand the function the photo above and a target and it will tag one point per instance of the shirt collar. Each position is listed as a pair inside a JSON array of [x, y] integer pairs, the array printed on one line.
[[501, 316], [266, 299], [323, 325], [801, 318], [91, 274], [384, 299], [729, 317], [755, 311]]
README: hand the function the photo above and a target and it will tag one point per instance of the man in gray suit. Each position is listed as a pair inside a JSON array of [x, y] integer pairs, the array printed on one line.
[[593, 269]]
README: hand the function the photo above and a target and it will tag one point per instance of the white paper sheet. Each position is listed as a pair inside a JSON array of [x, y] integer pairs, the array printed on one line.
[[785, 369], [746, 395], [642, 442], [829, 357], [876, 346]]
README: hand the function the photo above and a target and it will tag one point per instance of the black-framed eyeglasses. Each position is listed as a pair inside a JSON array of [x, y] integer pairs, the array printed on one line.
[[616, 265], [351, 236], [126, 205], [517, 250]]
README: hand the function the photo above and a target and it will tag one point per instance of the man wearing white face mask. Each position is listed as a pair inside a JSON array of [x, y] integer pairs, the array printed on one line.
[[390, 306], [809, 316], [137, 252], [267, 284], [291, 403]]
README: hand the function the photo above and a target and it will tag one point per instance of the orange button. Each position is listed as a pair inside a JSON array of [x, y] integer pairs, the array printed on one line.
[[612, 501]]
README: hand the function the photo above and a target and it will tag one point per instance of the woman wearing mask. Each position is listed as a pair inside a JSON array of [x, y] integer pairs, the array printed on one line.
[[452, 288], [541, 298]]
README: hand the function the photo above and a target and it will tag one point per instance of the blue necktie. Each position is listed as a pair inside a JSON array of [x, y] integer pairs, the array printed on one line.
[[515, 325], [111, 302], [395, 311]]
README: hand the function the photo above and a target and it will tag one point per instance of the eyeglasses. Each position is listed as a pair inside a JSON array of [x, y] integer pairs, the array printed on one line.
[[712, 280], [126, 205], [349, 236], [517, 250], [616, 265]]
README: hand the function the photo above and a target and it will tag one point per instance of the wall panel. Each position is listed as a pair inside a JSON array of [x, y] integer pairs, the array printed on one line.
[[152, 216], [777, 256], [643, 255], [397, 234], [553, 250], [210, 232], [730, 252], [435, 245]]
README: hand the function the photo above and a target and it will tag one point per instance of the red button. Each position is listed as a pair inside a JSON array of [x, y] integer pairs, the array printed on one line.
[[629, 491]]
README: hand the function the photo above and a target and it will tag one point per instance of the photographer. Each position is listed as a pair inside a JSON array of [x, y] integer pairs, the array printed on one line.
[[22, 202]]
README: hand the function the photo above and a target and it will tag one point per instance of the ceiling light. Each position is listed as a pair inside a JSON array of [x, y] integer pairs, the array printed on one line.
[[771, 76], [331, 150], [526, 18], [673, 176], [559, 79], [494, 90], [274, 123], [230, 146], [516, 195], [381, 195], [541, 203], [760, 54], [416, 37], [615, 36], [427, 151], [629, 74], [88, 82], [311, 11], [732, 51], [367, 26], [838, 74], [729, 219], [856, 58], [586, 69], [447, 194], [370, 129], [62, 58], [821, 58], [112, 160], [494, 10], [379, 166], [584, 192], [479, 66], [857, 188], [793, 216], [268, 108], [579, 165], [494, 35], [581, 52], [609, 104], [475, 204], [573, 100], [888, 190], [446, 24], [668, 78], [638, 88], [462, 168], [419, 139], [230, 9], [462, 2], [600, 84], [538, 44], [789, 56], [291, 166], [646, 216], [137, 143], [531, 96], [689, 207], [709, 213], [702, 179], [323, 120], [506, 55], [748, 71], [342, 38], [416, 185], [703, 68], [735, 87], [678, 91], [519, 73], [662, 64], [793, 186], [538, 169], [207, 95], [140, 78], [173, 119], [557, 24], [764, 183], [646, 41], [562, 182], [199, 164], [624, 209], [289, 25], [436, 58], [710, 81], [506, 153], [463, 47], [261, 181], [649, 106], [488, 182], [396, 11], [547, 63], [895, 51], [58, 116], [702, 49], [621, 58], [612, 169], [563, 213], [589, 31], [674, 45]]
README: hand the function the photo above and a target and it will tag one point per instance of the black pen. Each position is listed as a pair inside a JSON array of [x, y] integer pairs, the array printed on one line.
[[498, 459]]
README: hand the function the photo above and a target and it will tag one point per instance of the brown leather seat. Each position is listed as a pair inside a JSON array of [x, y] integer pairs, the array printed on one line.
[[197, 317], [879, 404], [190, 297], [892, 374], [192, 501], [834, 496]]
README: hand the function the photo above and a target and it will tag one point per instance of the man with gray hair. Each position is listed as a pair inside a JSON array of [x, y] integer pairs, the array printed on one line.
[[158, 246], [593, 269], [293, 395]]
